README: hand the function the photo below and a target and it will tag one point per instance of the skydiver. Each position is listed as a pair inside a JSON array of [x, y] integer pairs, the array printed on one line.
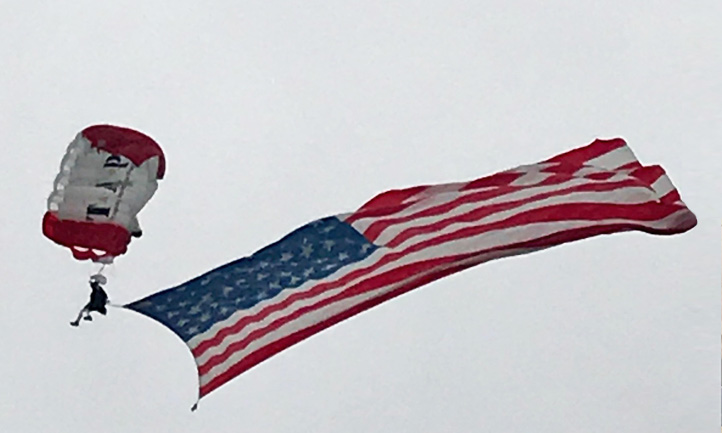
[[98, 300]]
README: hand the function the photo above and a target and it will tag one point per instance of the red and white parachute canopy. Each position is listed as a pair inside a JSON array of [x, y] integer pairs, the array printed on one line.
[[107, 175]]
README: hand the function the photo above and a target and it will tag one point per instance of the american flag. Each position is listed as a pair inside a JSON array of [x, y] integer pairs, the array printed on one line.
[[240, 314]]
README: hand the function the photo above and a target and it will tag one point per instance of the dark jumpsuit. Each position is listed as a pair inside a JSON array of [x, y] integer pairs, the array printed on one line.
[[98, 299]]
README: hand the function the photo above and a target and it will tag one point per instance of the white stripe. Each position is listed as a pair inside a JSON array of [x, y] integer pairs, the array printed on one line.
[[539, 166], [530, 232], [432, 190], [531, 178], [662, 186], [614, 159]]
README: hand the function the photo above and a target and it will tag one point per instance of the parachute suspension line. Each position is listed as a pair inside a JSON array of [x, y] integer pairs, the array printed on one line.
[[98, 276], [100, 271], [125, 183]]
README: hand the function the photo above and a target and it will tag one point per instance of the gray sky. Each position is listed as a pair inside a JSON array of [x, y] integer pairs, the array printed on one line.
[[275, 113]]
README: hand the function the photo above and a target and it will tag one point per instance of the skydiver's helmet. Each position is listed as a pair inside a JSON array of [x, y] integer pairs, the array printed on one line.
[[98, 278]]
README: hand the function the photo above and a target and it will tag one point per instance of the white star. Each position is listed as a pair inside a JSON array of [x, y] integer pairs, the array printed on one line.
[[308, 272], [286, 257], [328, 244], [194, 310], [182, 322], [343, 256], [205, 317], [261, 277], [306, 250], [227, 290], [241, 270]]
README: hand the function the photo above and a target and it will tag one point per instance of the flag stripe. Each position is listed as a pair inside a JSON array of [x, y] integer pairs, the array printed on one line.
[[583, 155], [618, 157]]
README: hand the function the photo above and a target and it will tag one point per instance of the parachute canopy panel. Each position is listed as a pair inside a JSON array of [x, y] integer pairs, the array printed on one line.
[[106, 177]]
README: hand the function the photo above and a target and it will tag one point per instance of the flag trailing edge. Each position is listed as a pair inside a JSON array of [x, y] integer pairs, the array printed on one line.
[[240, 314]]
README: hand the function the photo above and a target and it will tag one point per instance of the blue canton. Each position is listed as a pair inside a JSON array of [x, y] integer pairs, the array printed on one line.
[[311, 252]]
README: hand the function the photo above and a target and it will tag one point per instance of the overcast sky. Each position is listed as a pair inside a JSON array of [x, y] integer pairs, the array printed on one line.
[[272, 114]]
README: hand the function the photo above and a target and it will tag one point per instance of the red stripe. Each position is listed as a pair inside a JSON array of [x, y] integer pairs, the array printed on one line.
[[389, 199], [594, 150], [630, 166], [649, 174], [602, 175], [671, 197], [498, 179], [378, 212]]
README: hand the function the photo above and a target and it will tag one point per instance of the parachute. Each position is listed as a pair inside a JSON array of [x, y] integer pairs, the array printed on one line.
[[106, 177]]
